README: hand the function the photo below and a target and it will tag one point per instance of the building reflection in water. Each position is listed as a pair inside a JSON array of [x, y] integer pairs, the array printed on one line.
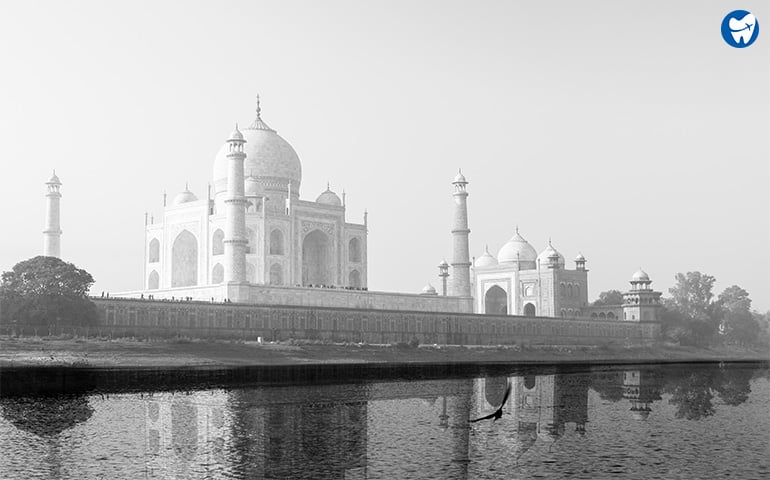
[[641, 389]]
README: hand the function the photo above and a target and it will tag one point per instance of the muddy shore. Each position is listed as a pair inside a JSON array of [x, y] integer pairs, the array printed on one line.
[[124, 353]]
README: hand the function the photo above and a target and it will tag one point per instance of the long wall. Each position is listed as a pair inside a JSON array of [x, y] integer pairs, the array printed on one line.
[[317, 297], [215, 320]]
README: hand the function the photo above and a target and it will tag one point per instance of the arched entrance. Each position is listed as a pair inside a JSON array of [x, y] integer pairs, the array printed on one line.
[[354, 279], [218, 274], [496, 301], [184, 260], [315, 259], [529, 310], [154, 281], [276, 275]]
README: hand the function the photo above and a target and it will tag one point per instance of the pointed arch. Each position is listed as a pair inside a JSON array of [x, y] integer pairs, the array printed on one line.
[[496, 301], [315, 259], [153, 281], [276, 242], [611, 316], [562, 290], [251, 273], [218, 242], [354, 250], [276, 274], [217, 274], [570, 290], [354, 279], [154, 251], [184, 260], [529, 310], [251, 236]]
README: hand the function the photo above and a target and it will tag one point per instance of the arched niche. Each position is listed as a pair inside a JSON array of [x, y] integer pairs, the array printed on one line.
[[316, 256], [184, 260], [496, 301]]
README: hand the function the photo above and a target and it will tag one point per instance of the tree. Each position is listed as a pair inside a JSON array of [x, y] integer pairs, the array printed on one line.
[[737, 322], [610, 297], [47, 291], [692, 297]]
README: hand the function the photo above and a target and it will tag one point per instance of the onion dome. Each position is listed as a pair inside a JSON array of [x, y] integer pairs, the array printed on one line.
[[443, 263], [428, 290], [518, 250], [580, 258], [184, 197], [546, 254], [329, 198], [272, 160], [486, 260], [459, 178], [640, 276]]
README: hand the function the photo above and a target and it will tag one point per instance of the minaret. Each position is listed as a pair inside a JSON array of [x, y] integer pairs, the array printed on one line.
[[235, 212], [52, 232], [461, 264]]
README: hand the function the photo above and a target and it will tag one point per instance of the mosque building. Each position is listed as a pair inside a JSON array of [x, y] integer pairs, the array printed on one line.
[[253, 239]]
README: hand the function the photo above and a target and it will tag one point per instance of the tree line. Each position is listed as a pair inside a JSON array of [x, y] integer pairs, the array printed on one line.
[[46, 292], [693, 315]]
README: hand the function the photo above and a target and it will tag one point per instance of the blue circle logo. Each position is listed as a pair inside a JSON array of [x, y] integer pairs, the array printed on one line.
[[740, 28]]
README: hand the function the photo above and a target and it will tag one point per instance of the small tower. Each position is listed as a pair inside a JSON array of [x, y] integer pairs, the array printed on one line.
[[580, 262], [461, 264], [641, 303], [235, 213], [443, 273], [52, 232]]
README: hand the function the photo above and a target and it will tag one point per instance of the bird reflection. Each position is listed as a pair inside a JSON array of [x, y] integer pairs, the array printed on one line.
[[497, 414]]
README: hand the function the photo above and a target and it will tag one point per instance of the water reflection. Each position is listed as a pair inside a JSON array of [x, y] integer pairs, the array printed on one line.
[[603, 422]]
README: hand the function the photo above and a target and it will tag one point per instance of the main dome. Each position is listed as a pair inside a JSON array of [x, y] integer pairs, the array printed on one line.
[[517, 250], [269, 158]]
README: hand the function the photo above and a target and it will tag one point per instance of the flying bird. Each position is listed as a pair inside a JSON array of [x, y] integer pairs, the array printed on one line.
[[499, 412]]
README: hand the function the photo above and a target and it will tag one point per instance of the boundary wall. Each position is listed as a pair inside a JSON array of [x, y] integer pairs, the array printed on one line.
[[136, 317]]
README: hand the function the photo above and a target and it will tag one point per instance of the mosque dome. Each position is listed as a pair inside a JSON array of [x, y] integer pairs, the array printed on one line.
[[547, 253], [486, 260], [640, 276], [517, 249], [428, 290], [269, 157], [580, 258], [459, 178], [184, 197], [329, 198], [54, 179]]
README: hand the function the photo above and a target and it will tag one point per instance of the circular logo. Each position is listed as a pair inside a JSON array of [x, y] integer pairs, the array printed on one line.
[[740, 28]]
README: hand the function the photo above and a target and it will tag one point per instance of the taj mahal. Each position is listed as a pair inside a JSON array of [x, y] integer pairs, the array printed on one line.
[[251, 238]]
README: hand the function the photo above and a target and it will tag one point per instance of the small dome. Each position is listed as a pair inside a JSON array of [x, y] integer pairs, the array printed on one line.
[[428, 290], [486, 260], [517, 249], [236, 135], [443, 264], [640, 276], [459, 178], [545, 255], [184, 197], [580, 258], [54, 179], [329, 198]]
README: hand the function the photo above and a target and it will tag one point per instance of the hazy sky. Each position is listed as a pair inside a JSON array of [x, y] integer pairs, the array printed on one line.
[[628, 131]]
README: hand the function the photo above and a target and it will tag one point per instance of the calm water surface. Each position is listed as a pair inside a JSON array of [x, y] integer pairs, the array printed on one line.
[[694, 421]]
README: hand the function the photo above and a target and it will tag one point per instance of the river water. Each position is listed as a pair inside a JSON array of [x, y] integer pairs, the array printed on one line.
[[675, 421]]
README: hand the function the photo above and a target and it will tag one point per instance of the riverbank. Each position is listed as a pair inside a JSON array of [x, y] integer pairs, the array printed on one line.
[[41, 352]]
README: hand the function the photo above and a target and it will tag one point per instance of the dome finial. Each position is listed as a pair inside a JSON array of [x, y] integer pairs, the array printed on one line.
[[328, 186], [259, 109], [517, 229], [186, 187]]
